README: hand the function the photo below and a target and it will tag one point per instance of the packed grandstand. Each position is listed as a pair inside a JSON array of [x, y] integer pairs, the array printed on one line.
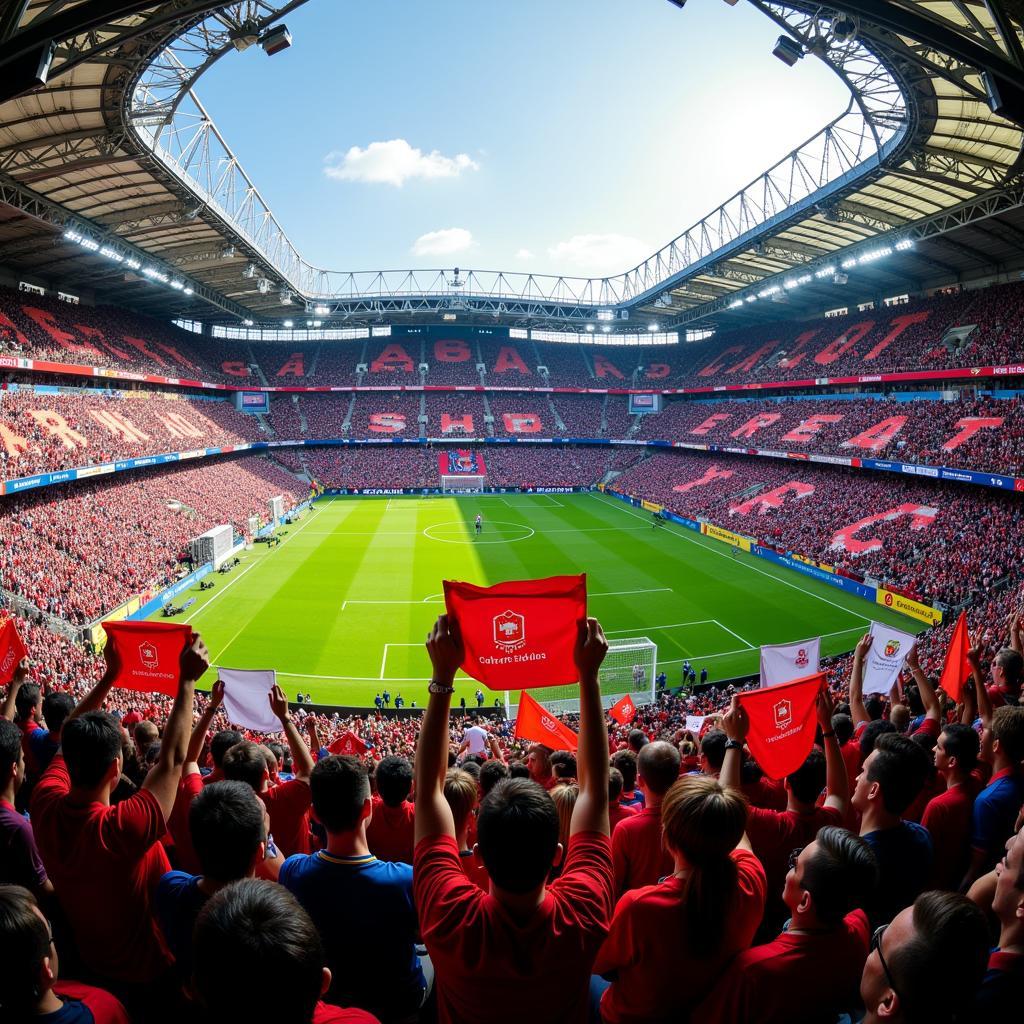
[[163, 860]]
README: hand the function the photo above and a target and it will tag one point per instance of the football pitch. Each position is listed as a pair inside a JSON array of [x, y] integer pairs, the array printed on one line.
[[342, 606]]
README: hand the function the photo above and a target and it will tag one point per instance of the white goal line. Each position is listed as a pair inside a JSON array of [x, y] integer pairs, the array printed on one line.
[[439, 598]]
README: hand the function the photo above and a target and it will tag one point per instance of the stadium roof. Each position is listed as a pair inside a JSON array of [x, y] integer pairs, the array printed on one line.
[[114, 168]]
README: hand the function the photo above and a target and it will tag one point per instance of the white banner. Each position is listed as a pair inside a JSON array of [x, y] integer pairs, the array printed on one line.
[[245, 698], [694, 723], [783, 663], [885, 658]]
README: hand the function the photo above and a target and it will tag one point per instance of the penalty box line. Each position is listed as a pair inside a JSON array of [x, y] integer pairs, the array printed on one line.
[[439, 598]]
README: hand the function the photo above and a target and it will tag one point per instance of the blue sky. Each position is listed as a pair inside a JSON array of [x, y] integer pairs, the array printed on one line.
[[567, 136]]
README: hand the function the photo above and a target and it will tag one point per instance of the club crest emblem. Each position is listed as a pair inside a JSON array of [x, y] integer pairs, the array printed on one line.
[[891, 648], [802, 660], [509, 631], [783, 714], [548, 723], [148, 655]]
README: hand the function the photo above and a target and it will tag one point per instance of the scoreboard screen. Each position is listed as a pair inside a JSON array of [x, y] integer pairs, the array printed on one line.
[[252, 402], [640, 404]]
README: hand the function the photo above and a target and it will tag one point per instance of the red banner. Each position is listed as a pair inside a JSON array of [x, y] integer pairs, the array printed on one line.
[[12, 651], [348, 744], [957, 668], [782, 724], [150, 654], [535, 723], [624, 711], [521, 634]]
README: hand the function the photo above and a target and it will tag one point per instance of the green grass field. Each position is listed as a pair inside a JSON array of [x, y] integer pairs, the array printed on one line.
[[342, 606]]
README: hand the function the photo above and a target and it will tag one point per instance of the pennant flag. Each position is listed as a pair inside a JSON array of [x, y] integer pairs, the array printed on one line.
[[348, 744], [886, 657], [782, 724], [519, 634], [624, 711], [150, 654], [245, 698], [782, 663], [12, 651], [957, 669], [535, 723]]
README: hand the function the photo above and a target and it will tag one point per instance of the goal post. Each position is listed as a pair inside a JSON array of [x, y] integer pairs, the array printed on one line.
[[462, 483], [630, 666]]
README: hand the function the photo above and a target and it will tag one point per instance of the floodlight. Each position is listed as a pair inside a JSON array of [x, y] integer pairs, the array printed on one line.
[[189, 291], [263, 286], [285, 296], [250, 270], [321, 310], [276, 40], [652, 327], [289, 323], [247, 323], [590, 327], [245, 36], [789, 51], [840, 278], [607, 330]]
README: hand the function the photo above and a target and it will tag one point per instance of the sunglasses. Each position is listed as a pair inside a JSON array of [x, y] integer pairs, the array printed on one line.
[[876, 947]]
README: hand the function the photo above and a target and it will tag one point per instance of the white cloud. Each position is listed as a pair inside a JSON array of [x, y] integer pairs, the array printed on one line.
[[524, 254], [443, 242], [393, 163], [598, 255]]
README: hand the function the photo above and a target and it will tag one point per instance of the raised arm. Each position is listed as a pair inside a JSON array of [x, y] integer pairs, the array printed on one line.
[[20, 675], [201, 728], [309, 724], [433, 815], [980, 692], [302, 759], [837, 782], [858, 711], [162, 780], [94, 699], [1016, 629], [736, 724], [932, 708], [591, 811]]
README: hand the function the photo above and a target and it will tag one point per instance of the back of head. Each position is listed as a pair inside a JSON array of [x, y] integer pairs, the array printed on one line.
[[91, 743], [951, 941], [808, 780], [869, 736], [461, 793], [637, 740], [57, 706], [491, 774], [875, 708], [900, 766], [1008, 728], [963, 743], [227, 826], [394, 780], [614, 785], [842, 726], [269, 758], [517, 829], [900, 717], [251, 931], [245, 762], [625, 761], [222, 743], [563, 765], [565, 795], [340, 787], [658, 766], [10, 748], [518, 770], [24, 944], [25, 701], [841, 875], [1012, 665], [703, 821], [144, 735], [712, 746]]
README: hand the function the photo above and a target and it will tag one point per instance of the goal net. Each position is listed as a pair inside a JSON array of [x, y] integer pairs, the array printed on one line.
[[630, 666], [462, 483]]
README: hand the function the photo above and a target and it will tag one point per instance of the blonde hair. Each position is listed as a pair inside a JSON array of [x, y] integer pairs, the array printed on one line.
[[564, 796], [461, 793]]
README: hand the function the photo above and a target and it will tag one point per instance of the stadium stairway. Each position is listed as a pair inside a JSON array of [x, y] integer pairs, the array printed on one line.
[[604, 416], [559, 422]]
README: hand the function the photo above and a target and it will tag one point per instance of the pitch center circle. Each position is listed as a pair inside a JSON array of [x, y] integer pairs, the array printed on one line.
[[463, 538]]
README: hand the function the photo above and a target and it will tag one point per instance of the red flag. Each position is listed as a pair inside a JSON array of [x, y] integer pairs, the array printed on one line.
[[12, 651], [522, 633], [957, 669], [349, 744], [534, 722], [782, 724], [624, 711], [150, 654]]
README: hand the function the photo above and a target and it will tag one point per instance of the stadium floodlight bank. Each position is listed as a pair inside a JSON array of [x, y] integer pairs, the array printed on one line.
[[460, 483], [213, 546], [631, 666]]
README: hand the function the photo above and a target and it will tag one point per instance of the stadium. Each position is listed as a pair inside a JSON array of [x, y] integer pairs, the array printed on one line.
[[797, 421]]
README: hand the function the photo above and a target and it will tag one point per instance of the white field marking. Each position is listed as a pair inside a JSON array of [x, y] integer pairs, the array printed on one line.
[[416, 533], [651, 629], [753, 568], [553, 503], [384, 656], [439, 598], [472, 539], [729, 631], [259, 561]]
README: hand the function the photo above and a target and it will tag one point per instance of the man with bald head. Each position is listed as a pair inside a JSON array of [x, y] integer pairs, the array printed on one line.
[[638, 855]]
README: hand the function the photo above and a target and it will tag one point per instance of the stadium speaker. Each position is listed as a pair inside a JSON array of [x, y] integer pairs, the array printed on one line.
[[840, 278], [623, 314], [789, 51], [27, 72], [992, 91], [276, 40]]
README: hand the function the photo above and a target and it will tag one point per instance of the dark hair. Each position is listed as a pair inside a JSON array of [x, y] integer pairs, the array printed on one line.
[[868, 738], [614, 785], [91, 743], [842, 726], [222, 743], [340, 786], [914, 701], [900, 767], [1012, 664], [963, 743], [278, 751], [625, 761], [253, 930], [470, 767], [874, 706], [25, 700], [704, 821], [24, 944], [244, 762], [1008, 728], [394, 780], [57, 705], [517, 829], [226, 823], [713, 748], [491, 774], [808, 780], [841, 875], [637, 740], [658, 766], [563, 764], [10, 745], [950, 940], [517, 770]]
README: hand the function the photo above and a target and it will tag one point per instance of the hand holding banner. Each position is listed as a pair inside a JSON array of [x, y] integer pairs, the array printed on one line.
[[783, 719], [784, 663], [12, 651], [148, 654], [534, 722], [245, 698], [348, 744], [885, 658], [522, 633], [694, 724], [957, 669]]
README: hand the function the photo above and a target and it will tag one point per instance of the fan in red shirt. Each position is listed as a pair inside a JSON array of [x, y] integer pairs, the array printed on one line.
[[31, 989], [288, 804], [523, 951], [538, 764], [638, 854], [105, 861], [617, 811], [811, 971], [390, 832], [219, 746], [669, 942], [258, 956]]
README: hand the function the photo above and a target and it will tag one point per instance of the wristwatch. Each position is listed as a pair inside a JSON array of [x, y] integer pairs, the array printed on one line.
[[436, 687], [734, 745]]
